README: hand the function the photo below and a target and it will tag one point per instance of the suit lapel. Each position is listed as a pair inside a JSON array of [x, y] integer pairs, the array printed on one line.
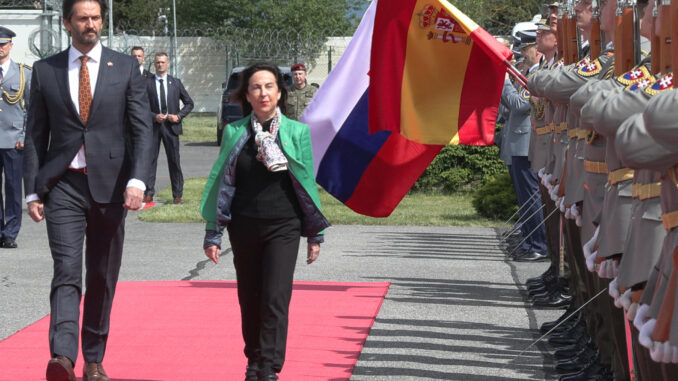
[[61, 71], [102, 78], [154, 96]]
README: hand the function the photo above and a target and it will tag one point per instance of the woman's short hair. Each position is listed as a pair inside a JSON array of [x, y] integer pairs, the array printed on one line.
[[240, 94]]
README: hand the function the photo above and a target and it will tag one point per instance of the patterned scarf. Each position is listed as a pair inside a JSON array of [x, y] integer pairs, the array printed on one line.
[[268, 152]]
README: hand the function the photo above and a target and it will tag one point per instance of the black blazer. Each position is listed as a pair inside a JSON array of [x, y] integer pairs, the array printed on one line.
[[147, 74], [55, 132], [175, 92]]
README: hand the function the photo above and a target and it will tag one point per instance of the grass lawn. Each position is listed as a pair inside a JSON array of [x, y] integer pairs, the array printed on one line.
[[199, 128], [415, 209]]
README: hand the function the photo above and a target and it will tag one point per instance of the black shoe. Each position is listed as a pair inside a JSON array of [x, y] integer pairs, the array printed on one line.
[[555, 300], [251, 372], [592, 371], [576, 363], [8, 243], [269, 377], [530, 256], [549, 273], [549, 325], [570, 336]]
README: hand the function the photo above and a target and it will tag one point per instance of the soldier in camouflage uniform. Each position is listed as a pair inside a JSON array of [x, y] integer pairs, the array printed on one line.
[[300, 94]]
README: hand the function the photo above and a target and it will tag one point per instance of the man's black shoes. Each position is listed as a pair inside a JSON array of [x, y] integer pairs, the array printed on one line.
[[8, 243]]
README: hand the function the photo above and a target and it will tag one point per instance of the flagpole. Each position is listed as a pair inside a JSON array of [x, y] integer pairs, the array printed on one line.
[[515, 73]]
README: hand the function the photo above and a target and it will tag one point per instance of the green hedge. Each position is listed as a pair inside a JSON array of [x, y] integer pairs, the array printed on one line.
[[496, 199], [459, 166]]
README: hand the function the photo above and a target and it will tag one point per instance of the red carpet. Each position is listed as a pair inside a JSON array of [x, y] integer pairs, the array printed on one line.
[[191, 331]]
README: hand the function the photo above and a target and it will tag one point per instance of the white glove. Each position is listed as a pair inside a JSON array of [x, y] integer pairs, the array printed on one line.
[[574, 210], [663, 352], [588, 246], [613, 290], [591, 261], [546, 180], [608, 269], [568, 214], [626, 302], [641, 316], [561, 203], [554, 193], [645, 335], [632, 312], [541, 173], [578, 221]]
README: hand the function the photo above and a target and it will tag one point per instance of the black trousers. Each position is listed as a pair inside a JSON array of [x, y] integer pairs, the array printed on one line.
[[265, 254], [11, 164], [72, 215], [163, 134]]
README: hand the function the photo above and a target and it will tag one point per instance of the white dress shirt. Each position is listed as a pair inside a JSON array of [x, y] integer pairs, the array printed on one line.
[[74, 64], [157, 90], [5, 68]]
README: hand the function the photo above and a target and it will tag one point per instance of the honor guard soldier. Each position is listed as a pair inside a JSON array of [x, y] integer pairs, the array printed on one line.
[[14, 95], [300, 93]]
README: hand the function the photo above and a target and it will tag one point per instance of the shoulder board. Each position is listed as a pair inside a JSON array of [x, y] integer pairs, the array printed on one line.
[[557, 64], [25, 66], [640, 85], [590, 69], [663, 83], [525, 94], [584, 61], [638, 73]]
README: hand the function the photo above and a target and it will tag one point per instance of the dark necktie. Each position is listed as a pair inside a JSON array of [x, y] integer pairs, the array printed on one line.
[[84, 90], [163, 98], [0, 73]]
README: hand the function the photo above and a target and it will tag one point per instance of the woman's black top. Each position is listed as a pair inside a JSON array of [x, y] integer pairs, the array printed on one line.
[[260, 193]]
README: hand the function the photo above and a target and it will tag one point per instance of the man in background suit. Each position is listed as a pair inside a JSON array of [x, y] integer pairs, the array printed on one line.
[[82, 178], [14, 91], [138, 53], [164, 94]]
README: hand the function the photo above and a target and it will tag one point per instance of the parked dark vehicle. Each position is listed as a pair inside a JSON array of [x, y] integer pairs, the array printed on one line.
[[229, 112]]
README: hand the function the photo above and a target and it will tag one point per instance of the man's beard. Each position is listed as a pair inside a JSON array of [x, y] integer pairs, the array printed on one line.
[[85, 38]]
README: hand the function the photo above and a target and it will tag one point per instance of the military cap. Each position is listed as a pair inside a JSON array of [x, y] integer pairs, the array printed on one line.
[[6, 35], [298, 66], [527, 38]]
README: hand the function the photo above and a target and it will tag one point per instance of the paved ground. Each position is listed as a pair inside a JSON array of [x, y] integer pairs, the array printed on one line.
[[455, 309]]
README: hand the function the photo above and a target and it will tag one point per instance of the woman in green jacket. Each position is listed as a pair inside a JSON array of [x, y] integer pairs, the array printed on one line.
[[262, 190]]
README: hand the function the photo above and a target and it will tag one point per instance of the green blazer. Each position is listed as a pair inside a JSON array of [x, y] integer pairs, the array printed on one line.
[[294, 139]]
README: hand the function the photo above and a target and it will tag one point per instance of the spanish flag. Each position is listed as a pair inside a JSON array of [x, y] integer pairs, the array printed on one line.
[[435, 75]]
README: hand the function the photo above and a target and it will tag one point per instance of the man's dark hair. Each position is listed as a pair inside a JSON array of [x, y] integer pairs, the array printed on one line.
[[240, 94], [136, 48], [67, 8], [161, 54]]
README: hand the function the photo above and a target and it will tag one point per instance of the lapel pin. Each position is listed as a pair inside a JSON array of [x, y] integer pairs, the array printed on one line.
[[109, 63]]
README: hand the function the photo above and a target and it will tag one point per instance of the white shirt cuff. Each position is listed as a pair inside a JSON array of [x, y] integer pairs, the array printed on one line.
[[32, 197], [136, 183]]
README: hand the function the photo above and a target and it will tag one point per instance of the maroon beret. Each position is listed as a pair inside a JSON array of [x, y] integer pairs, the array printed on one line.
[[298, 66]]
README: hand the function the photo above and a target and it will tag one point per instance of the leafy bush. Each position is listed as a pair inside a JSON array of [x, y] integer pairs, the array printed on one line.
[[457, 166], [496, 199]]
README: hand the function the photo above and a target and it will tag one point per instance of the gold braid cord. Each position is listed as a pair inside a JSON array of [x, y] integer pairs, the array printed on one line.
[[16, 97]]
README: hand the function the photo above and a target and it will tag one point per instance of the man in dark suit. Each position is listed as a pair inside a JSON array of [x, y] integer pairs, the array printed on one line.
[[80, 175], [164, 94], [138, 53]]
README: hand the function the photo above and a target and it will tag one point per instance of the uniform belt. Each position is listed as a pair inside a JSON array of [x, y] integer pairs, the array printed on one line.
[[670, 220], [646, 191], [581, 133], [572, 133], [595, 166], [561, 127], [620, 175], [544, 130]]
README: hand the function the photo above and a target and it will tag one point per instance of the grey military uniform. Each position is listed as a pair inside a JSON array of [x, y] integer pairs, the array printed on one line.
[[13, 104], [652, 151], [516, 138]]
